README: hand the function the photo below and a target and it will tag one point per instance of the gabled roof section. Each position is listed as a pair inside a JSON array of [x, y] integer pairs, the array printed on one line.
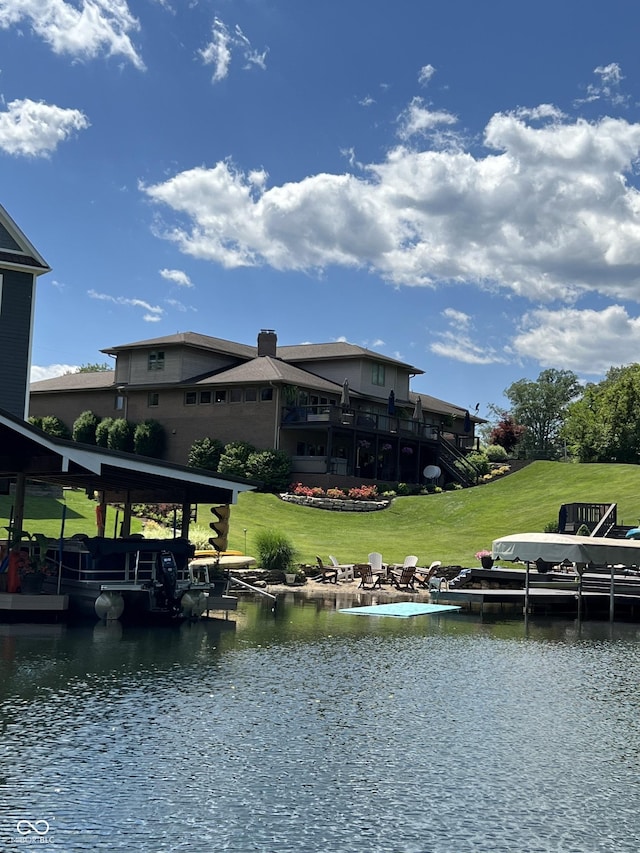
[[337, 350], [16, 251], [267, 369], [92, 381], [190, 339]]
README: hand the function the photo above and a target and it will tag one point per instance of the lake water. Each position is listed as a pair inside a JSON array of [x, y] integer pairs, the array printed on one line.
[[314, 731]]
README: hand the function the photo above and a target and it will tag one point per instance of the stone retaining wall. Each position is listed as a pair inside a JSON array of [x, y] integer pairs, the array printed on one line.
[[336, 505]]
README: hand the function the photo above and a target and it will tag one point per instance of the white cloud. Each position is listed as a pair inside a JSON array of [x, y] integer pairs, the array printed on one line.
[[219, 51], [585, 341], [50, 371], [154, 312], [545, 212], [425, 75], [456, 342], [419, 120], [457, 318], [97, 26], [34, 129], [450, 345], [608, 87], [177, 277]]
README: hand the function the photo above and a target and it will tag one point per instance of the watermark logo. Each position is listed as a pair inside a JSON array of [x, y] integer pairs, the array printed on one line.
[[32, 831], [26, 827]]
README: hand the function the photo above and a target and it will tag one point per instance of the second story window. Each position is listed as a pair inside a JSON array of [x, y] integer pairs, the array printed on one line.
[[153, 399], [190, 398], [156, 360], [377, 374]]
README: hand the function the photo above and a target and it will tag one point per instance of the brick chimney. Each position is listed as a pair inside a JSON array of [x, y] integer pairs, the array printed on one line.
[[267, 342]]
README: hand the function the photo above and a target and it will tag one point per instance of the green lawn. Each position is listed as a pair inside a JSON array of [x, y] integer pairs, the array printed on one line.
[[450, 526]]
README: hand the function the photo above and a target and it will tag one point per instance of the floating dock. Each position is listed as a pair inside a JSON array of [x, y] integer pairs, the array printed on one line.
[[16, 607]]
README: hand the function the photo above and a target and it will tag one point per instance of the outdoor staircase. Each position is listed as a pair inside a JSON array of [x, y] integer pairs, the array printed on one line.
[[456, 464]]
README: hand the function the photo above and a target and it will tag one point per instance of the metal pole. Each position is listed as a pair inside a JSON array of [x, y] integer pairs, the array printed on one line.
[[612, 596], [60, 547]]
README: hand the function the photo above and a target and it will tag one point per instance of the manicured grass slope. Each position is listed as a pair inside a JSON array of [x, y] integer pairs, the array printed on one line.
[[450, 527]]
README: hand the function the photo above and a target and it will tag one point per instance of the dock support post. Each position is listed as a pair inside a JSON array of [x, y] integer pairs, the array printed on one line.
[[612, 595]]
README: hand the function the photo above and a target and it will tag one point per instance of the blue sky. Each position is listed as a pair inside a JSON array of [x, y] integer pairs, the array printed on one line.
[[451, 184]]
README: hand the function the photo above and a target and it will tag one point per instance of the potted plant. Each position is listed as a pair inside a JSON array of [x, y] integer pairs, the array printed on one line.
[[486, 560]]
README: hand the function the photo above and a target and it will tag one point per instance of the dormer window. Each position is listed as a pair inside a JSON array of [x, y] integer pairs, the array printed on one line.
[[156, 360]]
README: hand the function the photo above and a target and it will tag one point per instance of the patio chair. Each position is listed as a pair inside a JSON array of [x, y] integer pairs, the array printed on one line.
[[328, 574], [425, 579], [368, 579], [345, 570], [404, 578], [375, 561]]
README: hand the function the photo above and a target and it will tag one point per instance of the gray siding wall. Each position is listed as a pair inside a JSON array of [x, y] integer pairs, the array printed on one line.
[[15, 328], [7, 241]]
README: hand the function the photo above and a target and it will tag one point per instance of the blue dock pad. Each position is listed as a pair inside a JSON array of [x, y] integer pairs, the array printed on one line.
[[399, 609]]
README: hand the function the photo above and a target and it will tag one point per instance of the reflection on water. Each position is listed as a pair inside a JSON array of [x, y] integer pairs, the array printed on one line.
[[311, 730]]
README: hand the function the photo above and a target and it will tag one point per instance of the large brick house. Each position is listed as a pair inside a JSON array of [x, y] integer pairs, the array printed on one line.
[[342, 412]]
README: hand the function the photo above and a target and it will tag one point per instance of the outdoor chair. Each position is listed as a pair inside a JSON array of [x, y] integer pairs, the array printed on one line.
[[403, 578], [345, 571], [368, 579], [375, 561], [328, 574], [424, 579]]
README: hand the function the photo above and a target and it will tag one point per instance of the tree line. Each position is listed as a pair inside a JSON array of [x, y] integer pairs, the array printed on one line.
[[557, 417]]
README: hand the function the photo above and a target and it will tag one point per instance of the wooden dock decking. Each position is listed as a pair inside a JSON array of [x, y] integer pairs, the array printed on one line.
[[595, 597]]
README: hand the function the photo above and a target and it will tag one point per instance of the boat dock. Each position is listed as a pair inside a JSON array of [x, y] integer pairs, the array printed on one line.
[[16, 607], [596, 595]]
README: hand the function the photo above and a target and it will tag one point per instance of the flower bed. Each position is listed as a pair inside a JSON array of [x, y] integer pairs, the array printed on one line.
[[336, 504]]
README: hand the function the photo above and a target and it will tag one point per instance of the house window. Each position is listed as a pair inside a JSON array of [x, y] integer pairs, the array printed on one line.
[[220, 396], [153, 399], [190, 398], [250, 395], [119, 403], [266, 394], [377, 374], [156, 360], [235, 395], [205, 397]]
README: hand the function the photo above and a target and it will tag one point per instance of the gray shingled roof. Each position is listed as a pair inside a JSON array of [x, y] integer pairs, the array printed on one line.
[[267, 369], [297, 352], [337, 349], [433, 404], [190, 339], [76, 382]]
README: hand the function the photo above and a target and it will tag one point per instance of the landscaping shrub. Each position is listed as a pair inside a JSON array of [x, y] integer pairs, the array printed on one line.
[[149, 439], [496, 453], [205, 453], [272, 468], [102, 432], [233, 460], [480, 462], [551, 527], [55, 427], [36, 422], [275, 551], [84, 427], [120, 436]]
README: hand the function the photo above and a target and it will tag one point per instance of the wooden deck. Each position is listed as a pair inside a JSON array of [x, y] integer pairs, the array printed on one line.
[[550, 593]]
